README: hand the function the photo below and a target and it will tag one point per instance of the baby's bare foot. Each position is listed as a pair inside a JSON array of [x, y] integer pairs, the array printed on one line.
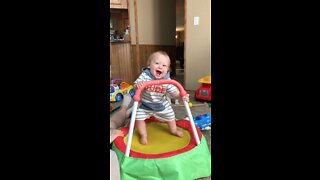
[[143, 140], [178, 133]]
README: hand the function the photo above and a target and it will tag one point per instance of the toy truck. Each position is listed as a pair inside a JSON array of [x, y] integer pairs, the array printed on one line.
[[204, 91]]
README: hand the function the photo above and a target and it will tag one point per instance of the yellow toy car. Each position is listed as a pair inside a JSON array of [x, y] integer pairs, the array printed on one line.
[[118, 91]]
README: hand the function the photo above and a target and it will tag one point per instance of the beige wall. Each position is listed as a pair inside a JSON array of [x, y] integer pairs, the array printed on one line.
[[197, 42], [156, 22]]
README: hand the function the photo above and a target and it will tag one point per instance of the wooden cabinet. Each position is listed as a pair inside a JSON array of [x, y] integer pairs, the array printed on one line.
[[119, 4], [120, 52], [120, 22], [115, 1]]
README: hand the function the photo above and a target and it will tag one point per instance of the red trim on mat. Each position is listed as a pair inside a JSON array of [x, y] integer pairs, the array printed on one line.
[[120, 145]]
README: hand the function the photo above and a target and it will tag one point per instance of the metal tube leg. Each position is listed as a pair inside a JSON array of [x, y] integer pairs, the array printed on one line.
[[194, 130], [130, 133]]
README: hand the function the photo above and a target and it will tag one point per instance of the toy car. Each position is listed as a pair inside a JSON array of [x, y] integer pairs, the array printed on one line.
[[118, 91], [204, 92]]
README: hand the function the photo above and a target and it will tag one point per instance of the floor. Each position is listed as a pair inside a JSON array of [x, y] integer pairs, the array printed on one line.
[[180, 111]]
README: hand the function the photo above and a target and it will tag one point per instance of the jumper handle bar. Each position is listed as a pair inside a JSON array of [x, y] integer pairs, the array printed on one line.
[[136, 96], [136, 99]]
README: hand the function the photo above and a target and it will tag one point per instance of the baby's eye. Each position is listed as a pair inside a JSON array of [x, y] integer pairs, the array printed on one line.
[[164, 65], [157, 63]]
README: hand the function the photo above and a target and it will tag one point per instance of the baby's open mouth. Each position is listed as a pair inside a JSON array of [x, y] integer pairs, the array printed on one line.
[[158, 72]]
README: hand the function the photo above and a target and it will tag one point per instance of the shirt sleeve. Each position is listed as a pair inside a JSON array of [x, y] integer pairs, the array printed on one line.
[[172, 88], [140, 78]]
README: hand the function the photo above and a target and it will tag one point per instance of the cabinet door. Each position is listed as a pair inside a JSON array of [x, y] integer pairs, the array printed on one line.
[[119, 4], [115, 2], [124, 4]]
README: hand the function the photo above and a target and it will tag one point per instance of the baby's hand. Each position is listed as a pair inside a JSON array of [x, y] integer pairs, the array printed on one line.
[[186, 98], [139, 85], [114, 133]]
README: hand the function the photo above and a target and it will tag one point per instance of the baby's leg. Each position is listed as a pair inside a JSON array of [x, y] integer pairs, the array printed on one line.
[[173, 128], [142, 130]]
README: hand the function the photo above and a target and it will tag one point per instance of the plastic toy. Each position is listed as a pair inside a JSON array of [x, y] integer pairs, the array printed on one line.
[[203, 121], [119, 90], [165, 156], [204, 92]]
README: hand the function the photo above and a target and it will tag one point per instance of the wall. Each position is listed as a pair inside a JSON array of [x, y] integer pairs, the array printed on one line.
[[197, 42], [156, 30], [156, 22], [179, 15]]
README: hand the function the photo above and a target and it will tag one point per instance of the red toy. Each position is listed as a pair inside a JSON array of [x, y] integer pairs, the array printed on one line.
[[204, 92]]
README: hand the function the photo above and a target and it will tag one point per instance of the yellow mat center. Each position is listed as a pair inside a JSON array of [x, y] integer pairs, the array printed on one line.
[[160, 140]]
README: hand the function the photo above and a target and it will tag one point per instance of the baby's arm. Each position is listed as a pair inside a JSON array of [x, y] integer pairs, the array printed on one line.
[[114, 133], [138, 83], [176, 94]]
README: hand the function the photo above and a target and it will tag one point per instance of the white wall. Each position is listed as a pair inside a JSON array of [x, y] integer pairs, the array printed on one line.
[[197, 42]]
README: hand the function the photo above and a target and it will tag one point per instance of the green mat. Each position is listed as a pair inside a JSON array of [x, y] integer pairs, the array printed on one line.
[[190, 165]]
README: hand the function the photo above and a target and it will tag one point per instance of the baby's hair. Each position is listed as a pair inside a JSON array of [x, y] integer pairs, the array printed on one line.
[[153, 55]]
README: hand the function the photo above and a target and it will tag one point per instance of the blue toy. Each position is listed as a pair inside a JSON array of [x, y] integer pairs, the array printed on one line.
[[203, 121]]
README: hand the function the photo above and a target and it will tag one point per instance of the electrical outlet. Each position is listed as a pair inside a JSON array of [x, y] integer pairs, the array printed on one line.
[[196, 20]]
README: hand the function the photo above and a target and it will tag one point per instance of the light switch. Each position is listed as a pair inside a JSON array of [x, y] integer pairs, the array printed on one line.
[[196, 20]]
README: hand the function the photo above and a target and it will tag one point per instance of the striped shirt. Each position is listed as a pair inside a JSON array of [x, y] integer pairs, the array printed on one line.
[[154, 97]]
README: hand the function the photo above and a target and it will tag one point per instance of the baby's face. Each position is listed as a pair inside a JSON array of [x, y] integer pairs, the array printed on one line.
[[159, 66]]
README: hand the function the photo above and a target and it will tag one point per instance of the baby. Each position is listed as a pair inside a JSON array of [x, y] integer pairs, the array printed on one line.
[[153, 98]]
